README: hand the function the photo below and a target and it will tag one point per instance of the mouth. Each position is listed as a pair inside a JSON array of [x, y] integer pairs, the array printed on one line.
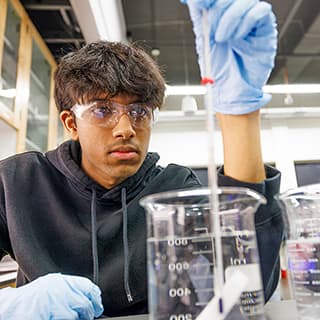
[[124, 153]]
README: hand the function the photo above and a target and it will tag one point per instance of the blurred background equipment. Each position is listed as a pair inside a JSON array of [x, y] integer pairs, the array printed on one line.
[[165, 27]]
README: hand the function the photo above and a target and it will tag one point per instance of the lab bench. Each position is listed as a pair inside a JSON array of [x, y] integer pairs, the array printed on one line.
[[275, 310]]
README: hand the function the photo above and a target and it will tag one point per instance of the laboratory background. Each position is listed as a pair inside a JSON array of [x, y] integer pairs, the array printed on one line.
[[35, 33]]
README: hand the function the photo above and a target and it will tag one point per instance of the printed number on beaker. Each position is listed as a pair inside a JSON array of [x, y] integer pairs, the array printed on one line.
[[187, 316], [177, 242], [179, 266], [179, 292]]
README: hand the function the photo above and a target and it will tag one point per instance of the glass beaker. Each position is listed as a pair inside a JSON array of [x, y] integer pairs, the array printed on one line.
[[301, 208], [180, 244]]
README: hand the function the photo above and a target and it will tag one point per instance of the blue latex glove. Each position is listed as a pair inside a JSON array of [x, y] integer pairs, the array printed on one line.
[[52, 297], [243, 44]]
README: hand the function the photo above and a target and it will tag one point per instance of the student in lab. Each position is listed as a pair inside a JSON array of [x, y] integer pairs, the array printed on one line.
[[72, 215]]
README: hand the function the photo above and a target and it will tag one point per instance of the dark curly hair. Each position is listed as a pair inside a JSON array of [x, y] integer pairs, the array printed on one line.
[[107, 67]]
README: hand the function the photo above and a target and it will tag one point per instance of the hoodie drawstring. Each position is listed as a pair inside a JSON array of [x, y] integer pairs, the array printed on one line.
[[125, 244], [94, 246]]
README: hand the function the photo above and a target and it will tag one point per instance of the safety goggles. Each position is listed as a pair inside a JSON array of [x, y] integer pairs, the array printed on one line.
[[107, 113]]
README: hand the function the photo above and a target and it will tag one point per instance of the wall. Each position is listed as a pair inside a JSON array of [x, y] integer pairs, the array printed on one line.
[[284, 141]]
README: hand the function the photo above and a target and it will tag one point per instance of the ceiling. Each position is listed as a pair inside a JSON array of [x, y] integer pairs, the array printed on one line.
[[57, 24], [165, 25]]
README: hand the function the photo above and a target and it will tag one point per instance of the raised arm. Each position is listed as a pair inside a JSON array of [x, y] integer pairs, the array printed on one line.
[[243, 42], [242, 146]]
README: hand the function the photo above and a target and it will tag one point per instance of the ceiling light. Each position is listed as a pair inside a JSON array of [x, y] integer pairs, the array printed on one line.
[[185, 90], [155, 52], [276, 88], [292, 88], [189, 105], [266, 113], [288, 100], [100, 19], [109, 19]]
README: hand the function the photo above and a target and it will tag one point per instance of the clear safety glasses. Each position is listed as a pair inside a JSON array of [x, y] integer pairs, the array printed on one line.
[[107, 113]]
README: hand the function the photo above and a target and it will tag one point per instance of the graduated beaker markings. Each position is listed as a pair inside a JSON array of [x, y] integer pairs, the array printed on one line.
[[301, 208], [182, 262], [304, 265], [182, 269], [183, 281]]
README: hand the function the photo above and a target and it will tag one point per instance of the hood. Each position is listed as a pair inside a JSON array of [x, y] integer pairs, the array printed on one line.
[[67, 159]]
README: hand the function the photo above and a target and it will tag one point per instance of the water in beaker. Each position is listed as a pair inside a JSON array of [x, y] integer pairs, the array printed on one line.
[[181, 255], [301, 208]]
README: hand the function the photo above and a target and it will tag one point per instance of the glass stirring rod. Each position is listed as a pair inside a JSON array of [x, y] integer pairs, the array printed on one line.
[[212, 171]]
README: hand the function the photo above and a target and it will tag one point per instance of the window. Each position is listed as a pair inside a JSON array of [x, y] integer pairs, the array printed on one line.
[[202, 174], [307, 172]]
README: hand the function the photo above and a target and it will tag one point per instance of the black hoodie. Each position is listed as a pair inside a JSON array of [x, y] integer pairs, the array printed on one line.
[[54, 218]]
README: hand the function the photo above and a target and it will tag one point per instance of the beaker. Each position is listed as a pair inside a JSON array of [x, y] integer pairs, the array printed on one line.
[[181, 255], [301, 208]]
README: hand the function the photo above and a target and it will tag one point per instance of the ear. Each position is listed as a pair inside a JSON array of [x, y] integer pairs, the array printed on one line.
[[68, 122]]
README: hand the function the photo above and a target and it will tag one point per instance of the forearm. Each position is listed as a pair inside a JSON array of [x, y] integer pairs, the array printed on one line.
[[242, 146]]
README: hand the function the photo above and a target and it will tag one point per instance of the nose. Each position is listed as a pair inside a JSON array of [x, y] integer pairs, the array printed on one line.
[[123, 129]]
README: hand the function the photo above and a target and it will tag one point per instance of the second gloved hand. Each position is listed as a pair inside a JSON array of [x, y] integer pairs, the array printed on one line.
[[243, 43], [52, 297]]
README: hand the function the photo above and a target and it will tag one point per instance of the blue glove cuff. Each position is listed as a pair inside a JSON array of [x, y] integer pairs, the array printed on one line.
[[242, 105]]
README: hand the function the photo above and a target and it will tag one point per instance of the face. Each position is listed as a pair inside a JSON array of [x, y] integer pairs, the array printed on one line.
[[110, 154]]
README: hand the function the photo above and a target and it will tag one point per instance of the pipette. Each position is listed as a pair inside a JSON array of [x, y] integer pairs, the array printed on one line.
[[212, 173]]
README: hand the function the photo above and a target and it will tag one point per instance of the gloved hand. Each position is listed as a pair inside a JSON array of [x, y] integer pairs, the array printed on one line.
[[243, 44], [52, 297]]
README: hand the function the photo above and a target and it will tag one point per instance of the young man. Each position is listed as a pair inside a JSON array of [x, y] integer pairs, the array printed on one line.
[[75, 210]]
